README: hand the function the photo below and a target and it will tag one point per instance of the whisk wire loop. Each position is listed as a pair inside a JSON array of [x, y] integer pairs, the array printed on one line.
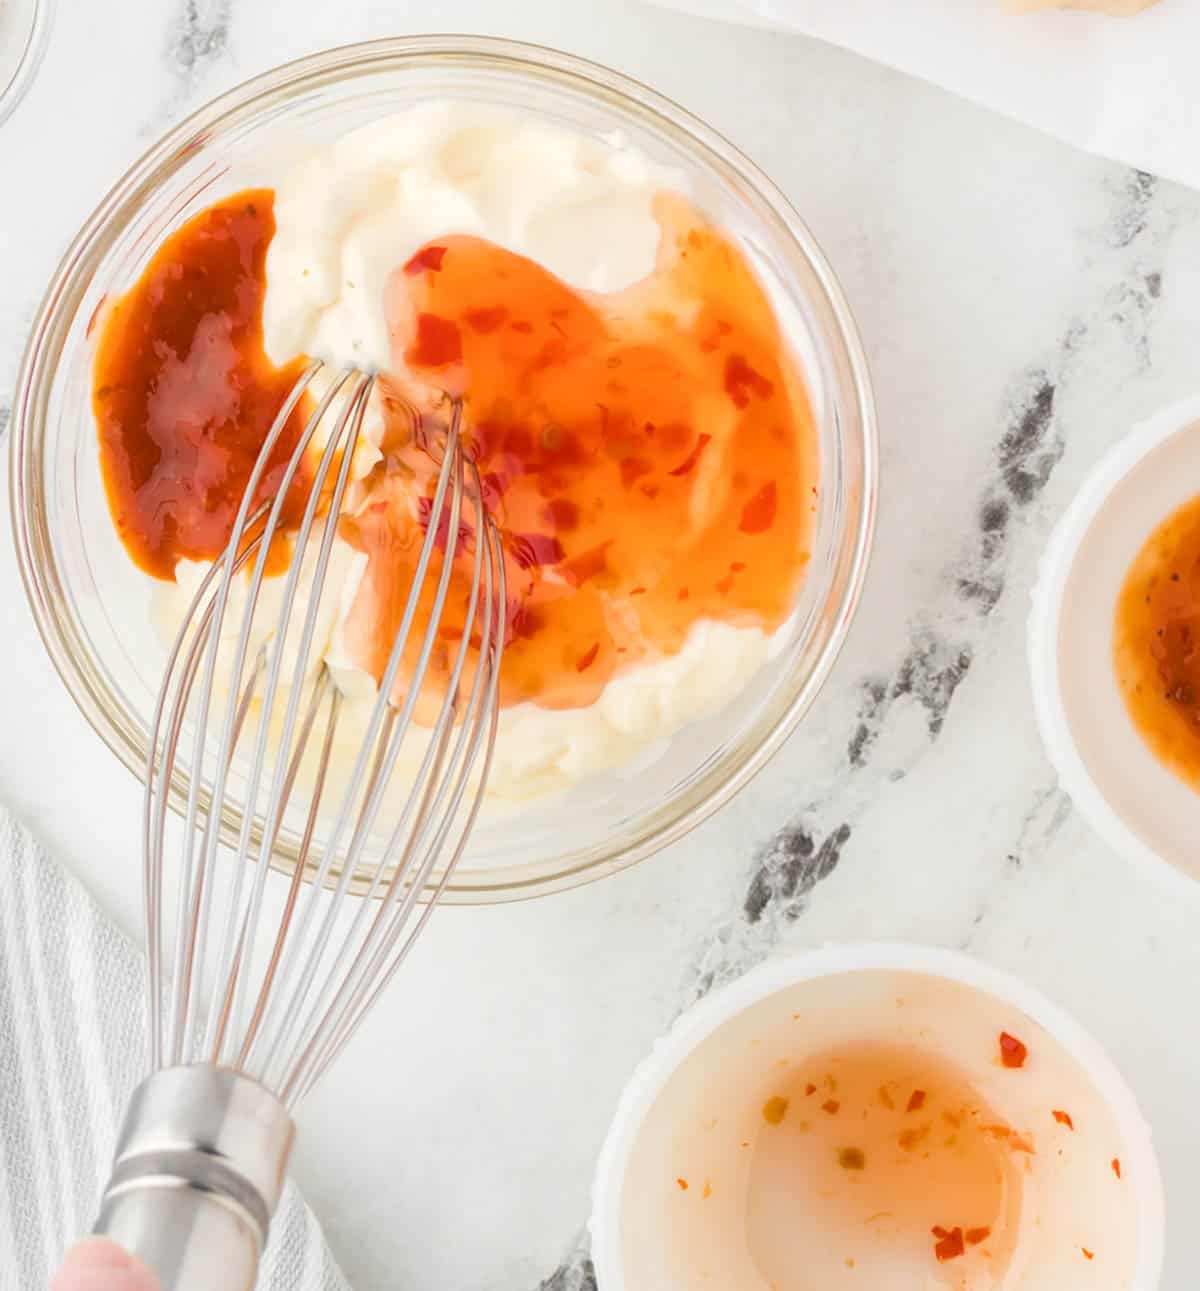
[[483, 714], [412, 850], [361, 800], [284, 998], [277, 802]]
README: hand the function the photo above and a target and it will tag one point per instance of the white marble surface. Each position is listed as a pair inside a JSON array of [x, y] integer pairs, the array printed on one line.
[[1021, 303]]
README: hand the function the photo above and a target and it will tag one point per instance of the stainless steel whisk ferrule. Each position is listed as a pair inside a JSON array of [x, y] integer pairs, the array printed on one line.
[[247, 1009]]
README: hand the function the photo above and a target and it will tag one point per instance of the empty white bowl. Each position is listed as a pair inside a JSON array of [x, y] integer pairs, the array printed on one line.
[[692, 1192]]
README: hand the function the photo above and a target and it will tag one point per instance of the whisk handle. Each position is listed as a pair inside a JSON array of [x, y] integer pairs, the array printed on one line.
[[197, 1173]]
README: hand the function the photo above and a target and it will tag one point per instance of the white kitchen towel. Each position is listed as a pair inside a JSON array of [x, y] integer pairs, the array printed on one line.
[[72, 1048], [1126, 88]]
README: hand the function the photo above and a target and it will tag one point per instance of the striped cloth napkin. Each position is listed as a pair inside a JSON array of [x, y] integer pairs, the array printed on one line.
[[71, 1051]]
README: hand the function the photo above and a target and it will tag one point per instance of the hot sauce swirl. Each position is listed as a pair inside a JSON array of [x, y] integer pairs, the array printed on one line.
[[183, 393], [648, 456]]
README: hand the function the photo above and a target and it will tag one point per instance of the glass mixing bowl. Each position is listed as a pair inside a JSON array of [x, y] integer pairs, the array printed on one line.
[[88, 598]]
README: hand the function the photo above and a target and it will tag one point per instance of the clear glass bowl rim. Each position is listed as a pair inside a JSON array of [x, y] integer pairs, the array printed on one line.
[[32, 53], [268, 91]]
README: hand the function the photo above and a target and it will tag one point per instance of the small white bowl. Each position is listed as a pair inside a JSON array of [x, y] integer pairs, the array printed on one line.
[[696, 1104], [1135, 803]]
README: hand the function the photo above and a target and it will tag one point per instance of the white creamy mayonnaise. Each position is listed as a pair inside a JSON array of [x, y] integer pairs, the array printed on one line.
[[355, 211]]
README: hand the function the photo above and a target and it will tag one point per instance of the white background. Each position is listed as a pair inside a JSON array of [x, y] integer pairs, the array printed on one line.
[[453, 1146]]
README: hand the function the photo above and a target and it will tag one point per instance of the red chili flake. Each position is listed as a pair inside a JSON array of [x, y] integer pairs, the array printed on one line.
[[949, 1244], [562, 513], [1087, 1255], [523, 621], [723, 586], [1012, 1052], [1116, 1166], [493, 489], [650, 490], [427, 258], [910, 1138], [485, 320], [689, 462], [586, 565], [742, 381], [976, 1235], [682, 594], [1020, 1143], [637, 591], [1064, 1118], [831, 1106], [438, 342], [532, 549], [425, 514], [916, 1100], [633, 468], [682, 1184], [588, 657], [758, 515], [809, 1090], [736, 567], [524, 328]]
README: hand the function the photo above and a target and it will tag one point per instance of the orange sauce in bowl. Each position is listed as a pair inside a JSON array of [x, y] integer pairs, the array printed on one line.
[[1156, 642], [649, 456]]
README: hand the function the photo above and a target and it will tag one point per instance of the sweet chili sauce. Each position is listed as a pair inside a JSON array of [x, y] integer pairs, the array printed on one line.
[[648, 455], [1156, 642], [183, 393]]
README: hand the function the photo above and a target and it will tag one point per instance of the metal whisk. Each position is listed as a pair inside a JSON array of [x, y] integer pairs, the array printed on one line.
[[244, 1018]]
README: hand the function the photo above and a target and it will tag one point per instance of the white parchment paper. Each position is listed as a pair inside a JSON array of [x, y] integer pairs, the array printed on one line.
[[1126, 88]]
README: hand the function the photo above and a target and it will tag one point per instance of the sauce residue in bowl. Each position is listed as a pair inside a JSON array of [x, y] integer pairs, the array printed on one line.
[[649, 456], [1156, 642], [873, 1158]]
